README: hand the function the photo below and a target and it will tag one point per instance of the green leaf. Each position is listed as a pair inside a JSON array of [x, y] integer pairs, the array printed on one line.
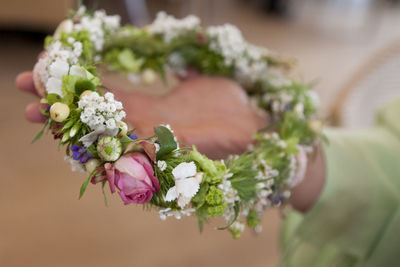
[[75, 129], [65, 137], [104, 193], [39, 134], [125, 141], [166, 140], [85, 183], [236, 209], [53, 98], [200, 197], [128, 61], [82, 85], [68, 125], [68, 84]]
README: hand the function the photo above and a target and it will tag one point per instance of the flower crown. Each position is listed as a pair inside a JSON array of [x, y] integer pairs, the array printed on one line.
[[155, 171]]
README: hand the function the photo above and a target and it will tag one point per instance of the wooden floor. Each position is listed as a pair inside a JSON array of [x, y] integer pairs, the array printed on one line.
[[42, 223]]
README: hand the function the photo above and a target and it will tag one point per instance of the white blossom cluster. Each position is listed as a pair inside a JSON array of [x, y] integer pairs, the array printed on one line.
[[230, 196], [248, 72], [177, 64], [97, 25], [227, 40], [62, 59], [168, 212], [99, 111], [279, 101], [58, 61], [170, 27]]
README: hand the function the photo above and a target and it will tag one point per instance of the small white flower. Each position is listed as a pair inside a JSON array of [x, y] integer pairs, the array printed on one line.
[[78, 71], [109, 96], [162, 165], [59, 68], [157, 146], [71, 40], [299, 109], [111, 124], [54, 86], [77, 49], [170, 27], [101, 111], [186, 184]]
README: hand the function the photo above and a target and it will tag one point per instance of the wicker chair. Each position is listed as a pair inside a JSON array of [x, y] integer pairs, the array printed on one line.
[[376, 83]]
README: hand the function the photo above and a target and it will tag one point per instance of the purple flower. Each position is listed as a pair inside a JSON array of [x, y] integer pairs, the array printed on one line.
[[132, 136], [80, 153]]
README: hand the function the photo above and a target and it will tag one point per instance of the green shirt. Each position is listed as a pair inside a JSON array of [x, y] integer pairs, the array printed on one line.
[[356, 221]]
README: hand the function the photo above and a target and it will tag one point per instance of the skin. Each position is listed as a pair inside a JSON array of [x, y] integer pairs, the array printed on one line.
[[197, 109]]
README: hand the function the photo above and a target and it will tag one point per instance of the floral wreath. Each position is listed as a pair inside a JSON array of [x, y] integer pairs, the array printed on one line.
[[155, 171]]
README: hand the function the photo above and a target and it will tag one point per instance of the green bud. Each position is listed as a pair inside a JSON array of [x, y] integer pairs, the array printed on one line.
[[236, 229], [253, 219], [65, 137], [74, 130], [215, 211], [214, 196], [109, 148]]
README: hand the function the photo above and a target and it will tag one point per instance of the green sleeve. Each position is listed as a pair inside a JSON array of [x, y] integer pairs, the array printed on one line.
[[356, 221]]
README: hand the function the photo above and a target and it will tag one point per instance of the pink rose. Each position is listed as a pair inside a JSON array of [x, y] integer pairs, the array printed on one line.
[[134, 176]]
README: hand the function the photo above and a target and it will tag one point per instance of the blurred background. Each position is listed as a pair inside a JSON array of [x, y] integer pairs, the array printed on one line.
[[350, 48]]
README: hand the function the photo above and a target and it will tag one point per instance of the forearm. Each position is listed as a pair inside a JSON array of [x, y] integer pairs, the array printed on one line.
[[305, 194]]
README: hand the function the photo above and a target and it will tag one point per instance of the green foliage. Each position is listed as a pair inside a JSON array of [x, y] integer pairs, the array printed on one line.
[[236, 209], [48, 40], [104, 193], [39, 134], [85, 183], [202, 216], [213, 171], [166, 181], [294, 127], [214, 211], [205, 60], [200, 198], [52, 98], [253, 219], [214, 196], [243, 178], [166, 141], [123, 59]]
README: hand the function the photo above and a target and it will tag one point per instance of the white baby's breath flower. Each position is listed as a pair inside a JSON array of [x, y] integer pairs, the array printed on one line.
[[98, 111], [111, 124], [70, 40], [170, 27], [168, 212], [162, 165], [77, 50]]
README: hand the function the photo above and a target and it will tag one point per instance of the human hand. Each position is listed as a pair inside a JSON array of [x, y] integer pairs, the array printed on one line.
[[212, 113]]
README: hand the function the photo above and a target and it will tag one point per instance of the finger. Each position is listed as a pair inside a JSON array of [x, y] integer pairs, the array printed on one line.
[[24, 82], [32, 112], [190, 73]]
